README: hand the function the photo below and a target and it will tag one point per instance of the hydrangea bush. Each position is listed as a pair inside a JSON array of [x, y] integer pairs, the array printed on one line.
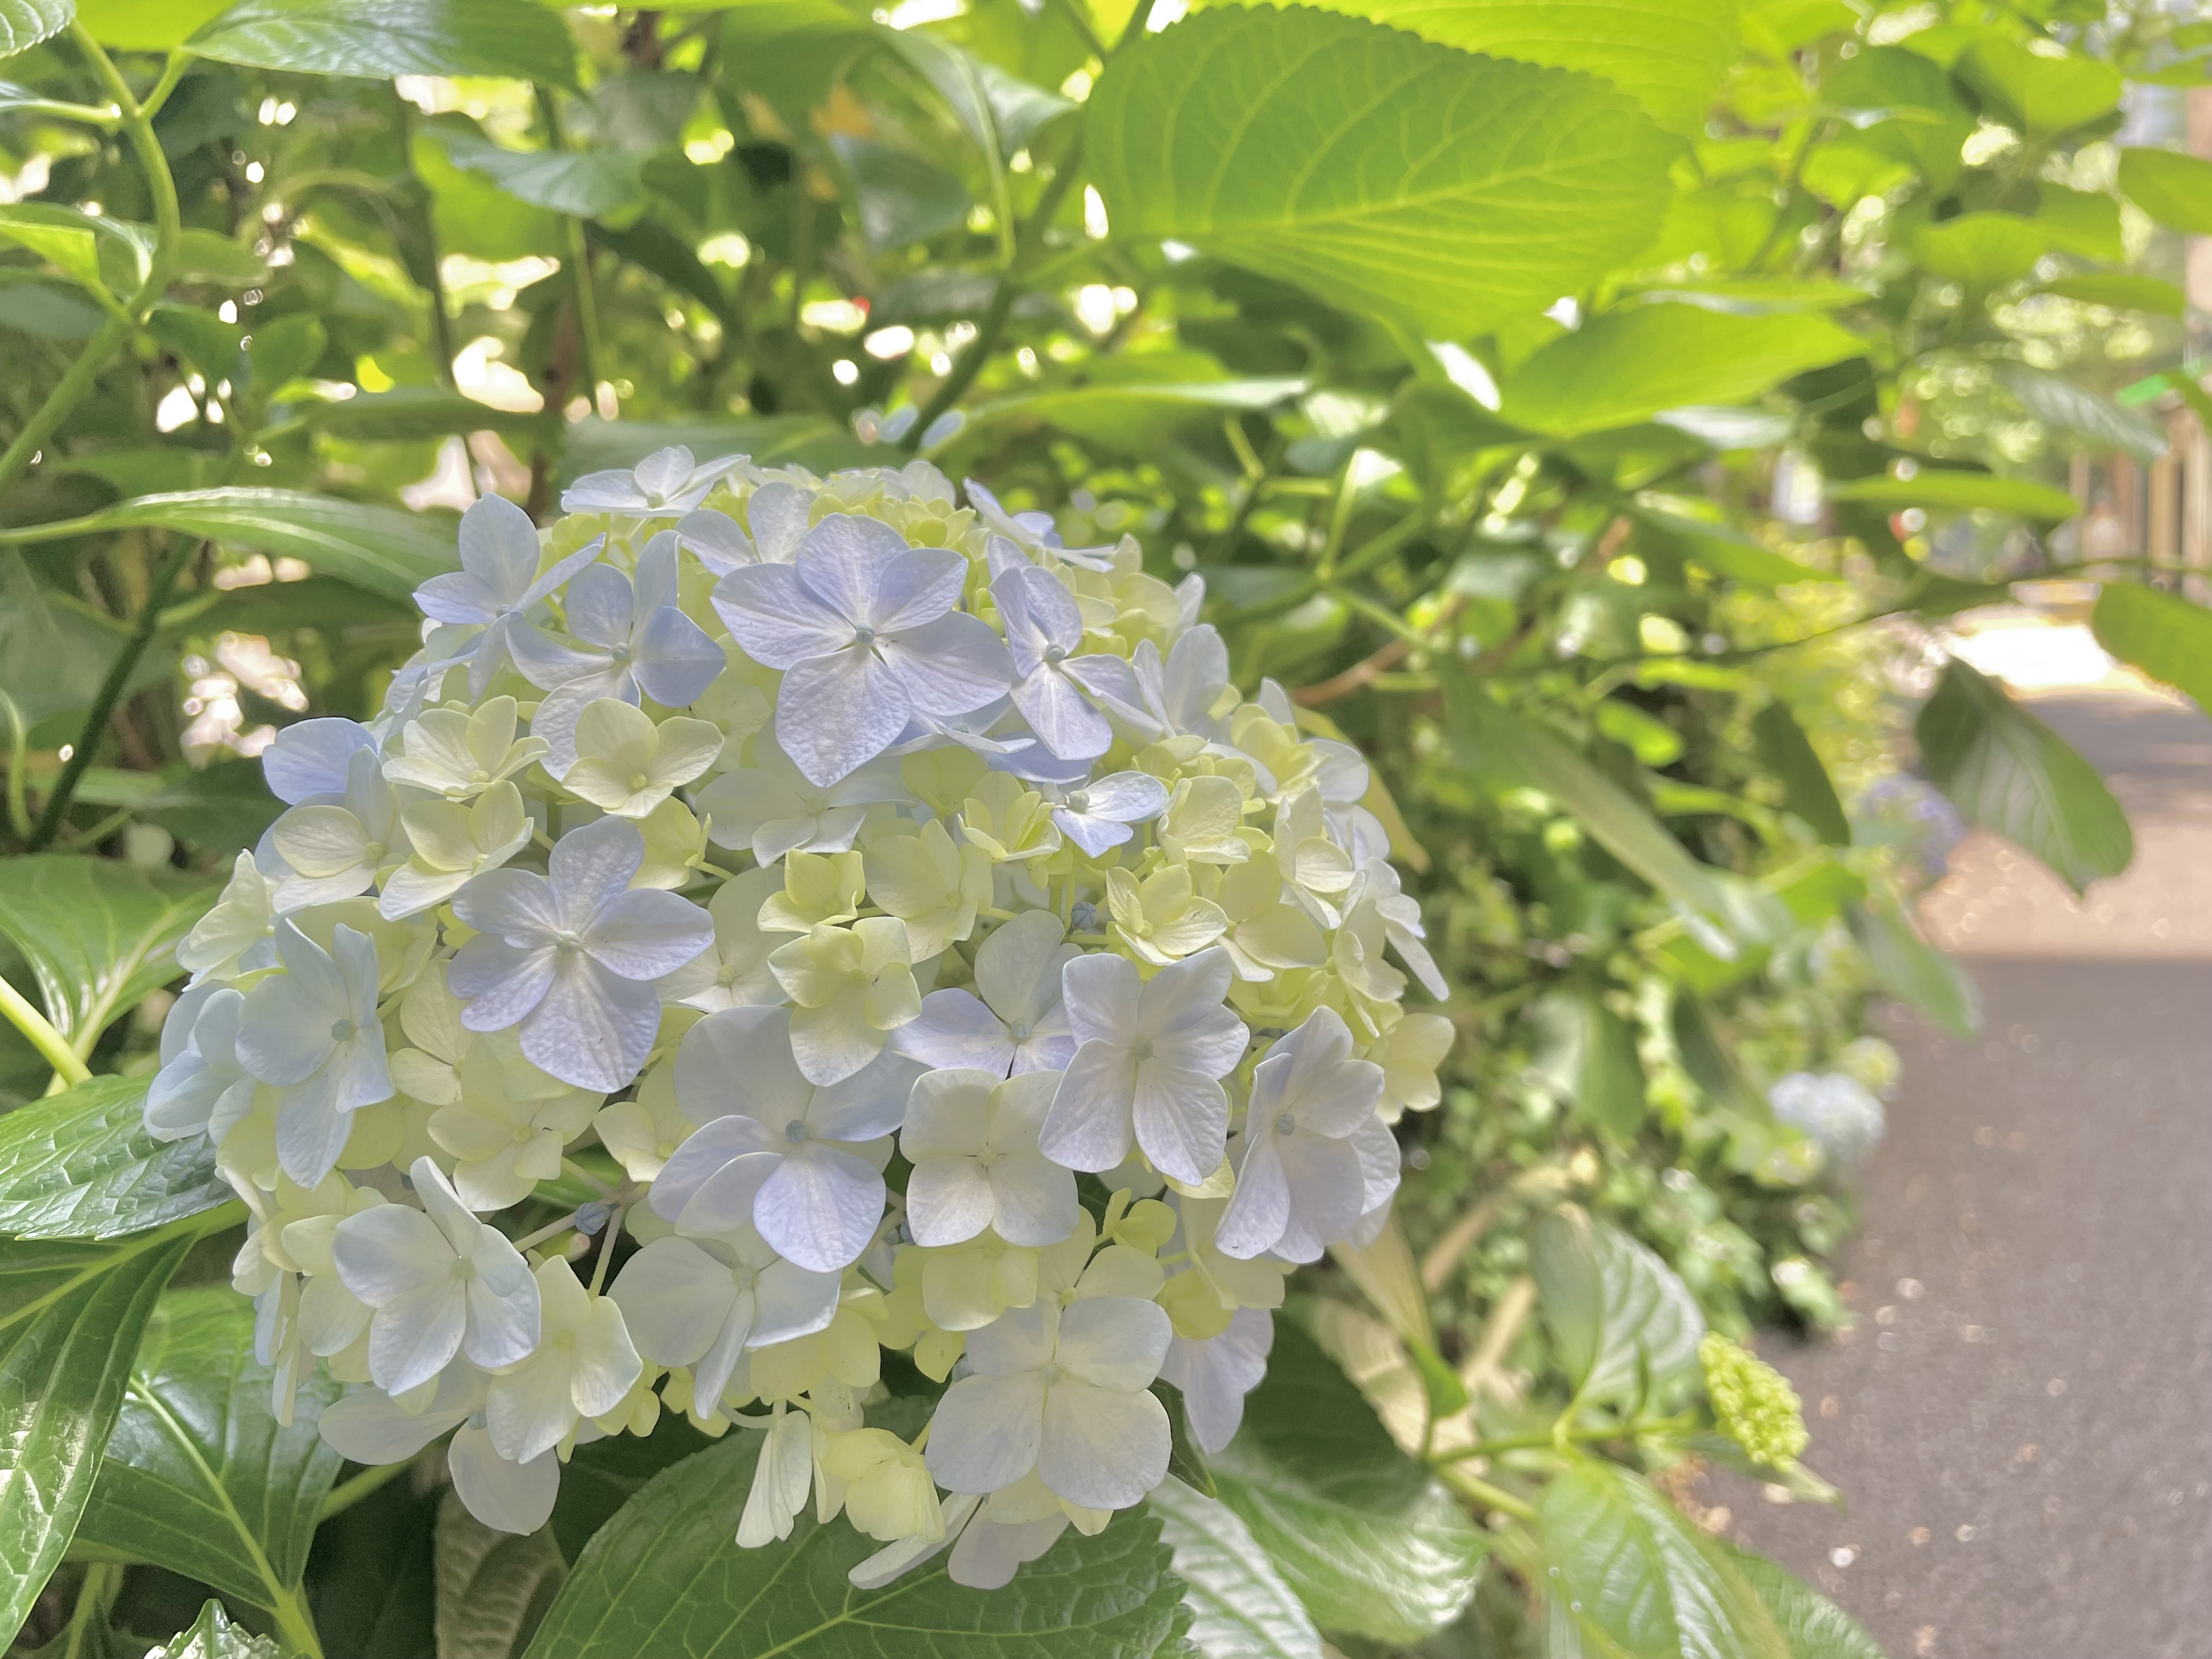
[[871, 925]]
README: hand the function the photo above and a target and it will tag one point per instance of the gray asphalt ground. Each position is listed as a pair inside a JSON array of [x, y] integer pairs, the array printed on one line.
[[2023, 1421]]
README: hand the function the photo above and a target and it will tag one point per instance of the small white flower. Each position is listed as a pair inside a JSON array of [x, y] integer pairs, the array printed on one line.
[[627, 640], [312, 1031], [628, 764], [1148, 1062], [1017, 1024], [972, 1138], [370, 1427], [773, 808], [1097, 815], [508, 1127], [663, 484], [1300, 1185], [201, 1082], [582, 1366], [234, 937], [1044, 630], [1409, 1054], [459, 754], [571, 955], [1067, 1393], [497, 585], [451, 843], [441, 1282], [865, 630], [1216, 1372], [715, 540], [800, 1164], [336, 849], [733, 972], [702, 1302]]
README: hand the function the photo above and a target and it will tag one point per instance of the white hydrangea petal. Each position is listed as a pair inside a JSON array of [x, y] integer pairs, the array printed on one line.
[[1260, 1208], [1379, 1159], [1062, 717], [915, 586], [871, 1103], [986, 1432], [989, 1553], [1328, 1190], [724, 1201], [1114, 1341], [592, 1029], [645, 933], [528, 1411], [793, 1301], [369, 1427], [413, 1337], [599, 605], [675, 661], [606, 1365], [509, 904], [850, 707], [720, 1141], [1216, 1373], [948, 1114], [674, 1299], [310, 1130], [820, 1208], [1019, 1340], [589, 867], [774, 615], [842, 562], [1181, 1119], [505, 1497], [1102, 1448], [502, 984], [740, 1060], [1033, 1199], [388, 1251], [949, 666], [949, 1200], [1090, 1122], [778, 514], [1102, 994], [954, 1029], [312, 757], [503, 1319]]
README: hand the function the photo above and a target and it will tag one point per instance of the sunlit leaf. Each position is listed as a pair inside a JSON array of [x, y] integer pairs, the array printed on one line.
[[79, 1165], [98, 934], [1241, 1607], [395, 37]]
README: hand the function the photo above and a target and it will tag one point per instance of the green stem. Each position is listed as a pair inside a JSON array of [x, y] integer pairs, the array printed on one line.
[[111, 691], [19, 766], [168, 226], [1495, 1497], [347, 1493], [580, 261], [102, 1580], [296, 1625], [425, 228], [54, 1048]]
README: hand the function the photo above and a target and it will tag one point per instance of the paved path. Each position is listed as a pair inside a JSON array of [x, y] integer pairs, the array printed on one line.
[[2023, 1419]]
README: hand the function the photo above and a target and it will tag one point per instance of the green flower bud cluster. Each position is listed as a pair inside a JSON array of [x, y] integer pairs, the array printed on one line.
[[1754, 1403]]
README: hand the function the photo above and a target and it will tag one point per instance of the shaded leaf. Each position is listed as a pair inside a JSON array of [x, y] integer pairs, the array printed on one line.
[[511, 38], [1807, 789], [2165, 636], [1813, 1626], [1633, 1572], [1131, 415], [1724, 550], [1620, 1320], [80, 1165], [2174, 189], [70, 1318], [2007, 771], [1185, 1457], [1359, 1532], [902, 199], [1378, 169], [1914, 971], [1982, 249], [2039, 95], [2100, 423], [1241, 1608], [666, 1576], [200, 1477], [588, 184], [1959, 491], [53, 655], [410, 412], [98, 933], [1625, 366], [1587, 1053], [493, 1586], [378, 548], [2120, 291]]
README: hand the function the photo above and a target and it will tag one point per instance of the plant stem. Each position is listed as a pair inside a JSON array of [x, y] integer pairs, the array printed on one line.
[[19, 759], [168, 225], [1483, 1492], [347, 1493], [102, 1580], [296, 1625], [111, 691], [579, 263], [54, 1048]]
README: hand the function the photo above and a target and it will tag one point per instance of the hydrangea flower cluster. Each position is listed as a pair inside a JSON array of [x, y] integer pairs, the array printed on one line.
[[776, 921]]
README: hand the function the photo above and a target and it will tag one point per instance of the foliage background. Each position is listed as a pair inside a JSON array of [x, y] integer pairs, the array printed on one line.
[[1590, 407]]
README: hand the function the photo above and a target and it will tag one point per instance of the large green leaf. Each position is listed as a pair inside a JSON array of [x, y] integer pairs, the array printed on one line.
[[1958, 490], [1982, 249], [53, 655], [493, 1587], [1668, 55], [1619, 1316], [1723, 551], [1379, 170], [80, 1165], [1914, 971], [666, 1576], [2120, 291], [1813, 1626], [2165, 636], [1625, 366], [213, 1637], [1129, 416], [393, 37], [98, 933], [70, 1318], [2068, 407], [1807, 790], [1510, 747], [410, 412], [2174, 189], [24, 23], [1362, 1535], [1241, 1607], [2007, 771], [378, 548], [1000, 112], [200, 1477], [588, 184], [1632, 1572], [1587, 1053], [901, 199], [2041, 97]]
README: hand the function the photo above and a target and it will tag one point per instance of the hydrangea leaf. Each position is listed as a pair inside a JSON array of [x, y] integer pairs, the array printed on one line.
[[200, 1477], [1619, 1316], [80, 1165], [98, 934], [667, 1574], [1241, 1607]]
